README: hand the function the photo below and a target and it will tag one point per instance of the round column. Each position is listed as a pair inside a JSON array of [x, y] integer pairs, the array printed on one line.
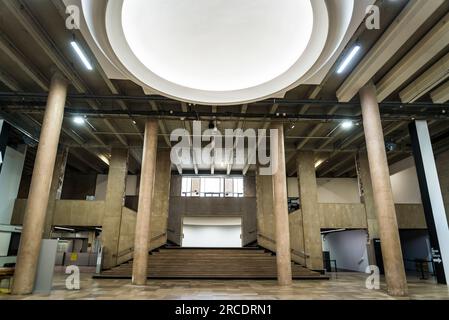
[[382, 192], [143, 230], [36, 209]]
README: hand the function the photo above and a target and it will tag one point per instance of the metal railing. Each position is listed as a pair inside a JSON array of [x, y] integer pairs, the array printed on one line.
[[295, 252], [131, 249]]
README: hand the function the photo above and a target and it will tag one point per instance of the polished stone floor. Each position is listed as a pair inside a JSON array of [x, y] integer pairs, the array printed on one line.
[[342, 286]]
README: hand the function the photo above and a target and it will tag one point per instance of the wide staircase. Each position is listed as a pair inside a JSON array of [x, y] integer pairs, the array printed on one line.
[[185, 263]]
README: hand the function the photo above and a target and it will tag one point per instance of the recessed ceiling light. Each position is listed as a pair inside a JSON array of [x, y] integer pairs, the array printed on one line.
[[79, 120], [347, 124], [348, 59], [81, 55]]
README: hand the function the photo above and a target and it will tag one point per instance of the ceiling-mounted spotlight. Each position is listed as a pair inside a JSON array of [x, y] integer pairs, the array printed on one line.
[[79, 120], [347, 124], [391, 146]]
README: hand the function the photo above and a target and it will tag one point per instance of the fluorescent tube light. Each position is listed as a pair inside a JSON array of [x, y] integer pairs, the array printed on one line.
[[81, 55], [348, 59]]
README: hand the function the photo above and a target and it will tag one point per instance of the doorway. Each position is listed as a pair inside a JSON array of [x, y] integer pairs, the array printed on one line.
[[212, 232]]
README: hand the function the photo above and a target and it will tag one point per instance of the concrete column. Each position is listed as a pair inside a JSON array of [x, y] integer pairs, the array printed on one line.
[[143, 229], [308, 192], [367, 197], [382, 193], [115, 199], [55, 189], [36, 209], [280, 208], [161, 198]]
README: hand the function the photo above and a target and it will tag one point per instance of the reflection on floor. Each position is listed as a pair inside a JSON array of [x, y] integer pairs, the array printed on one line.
[[341, 286]]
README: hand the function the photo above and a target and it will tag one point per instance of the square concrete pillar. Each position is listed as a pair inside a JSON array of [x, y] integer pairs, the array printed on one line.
[[367, 198], [115, 199], [55, 189], [308, 192], [280, 208]]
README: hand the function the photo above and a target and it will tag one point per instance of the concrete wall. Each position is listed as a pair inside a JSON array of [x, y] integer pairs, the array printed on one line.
[[296, 236], [77, 213], [332, 216], [181, 207], [350, 216], [265, 215], [77, 186], [102, 181], [411, 216]]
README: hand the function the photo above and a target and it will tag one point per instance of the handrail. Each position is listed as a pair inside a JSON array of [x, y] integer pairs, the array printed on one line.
[[131, 249], [295, 252]]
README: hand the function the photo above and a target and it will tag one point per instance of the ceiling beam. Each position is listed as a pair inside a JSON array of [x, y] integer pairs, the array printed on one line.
[[13, 85], [59, 5], [8, 48], [86, 162], [441, 95], [431, 45], [24, 16], [337, 165], [412, 17], [430, 79]]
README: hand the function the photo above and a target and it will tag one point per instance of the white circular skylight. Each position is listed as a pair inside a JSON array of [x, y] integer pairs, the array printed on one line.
[[219, 52], [217, 45]]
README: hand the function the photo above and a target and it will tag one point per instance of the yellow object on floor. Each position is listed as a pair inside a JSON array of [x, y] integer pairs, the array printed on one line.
[[5, 291]]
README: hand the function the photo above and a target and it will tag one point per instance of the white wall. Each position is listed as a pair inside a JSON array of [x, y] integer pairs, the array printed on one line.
[[10, 177], [404, 182], [205, 232], [339, 190], [348, 248], [330, 190], [292, 187], [102, 183]]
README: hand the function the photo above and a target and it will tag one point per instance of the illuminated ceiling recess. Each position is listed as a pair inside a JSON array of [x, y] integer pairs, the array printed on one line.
[[219, 52]]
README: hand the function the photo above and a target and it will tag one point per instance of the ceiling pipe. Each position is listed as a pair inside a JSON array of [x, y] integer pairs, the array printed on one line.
[[7, 96], [232, 116]]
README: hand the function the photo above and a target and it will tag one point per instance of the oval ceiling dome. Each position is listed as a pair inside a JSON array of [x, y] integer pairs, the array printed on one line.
[[217, 52]]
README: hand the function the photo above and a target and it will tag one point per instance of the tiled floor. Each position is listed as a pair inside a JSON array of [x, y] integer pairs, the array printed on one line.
[[342, 286]]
